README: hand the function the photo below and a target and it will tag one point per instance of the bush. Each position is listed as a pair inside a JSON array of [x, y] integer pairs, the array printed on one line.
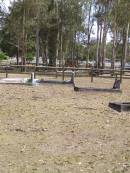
[[3, 56], [30, 56]]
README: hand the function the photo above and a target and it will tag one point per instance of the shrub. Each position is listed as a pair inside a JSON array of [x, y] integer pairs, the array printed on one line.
[[3, 56], [30, 56]]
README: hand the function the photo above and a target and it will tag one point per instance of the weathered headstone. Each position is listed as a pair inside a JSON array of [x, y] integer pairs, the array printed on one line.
[[120, 106]]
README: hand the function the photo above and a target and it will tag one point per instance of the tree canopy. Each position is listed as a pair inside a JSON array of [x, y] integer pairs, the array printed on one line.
[[58, 30]]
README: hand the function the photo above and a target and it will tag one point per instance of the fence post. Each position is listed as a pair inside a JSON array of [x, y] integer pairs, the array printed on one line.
[[56, 73], [35, 72], [32, 76], [63, 73], [121, 75], [92, 74], [6, 73]]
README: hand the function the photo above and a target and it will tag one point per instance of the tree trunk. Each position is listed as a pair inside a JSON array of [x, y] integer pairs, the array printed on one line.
[[104, 44], [98, 44], [23, 43], [73, 48], [100, 47], [125, 47], [126, 44], [114, 49], [61, 47], [88, 49], [17, 56], [25, 51], [57, 46], [37, 46], [45, 55], [52, 36], [89, 33]]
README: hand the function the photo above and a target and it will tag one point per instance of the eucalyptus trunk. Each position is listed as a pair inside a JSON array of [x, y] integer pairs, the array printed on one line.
[[37, 46], [126, 44], [89, 33], [98, 44], [114, 48], [104, 44], [61, 46], [23, 43], [18, 50], [57, 46]]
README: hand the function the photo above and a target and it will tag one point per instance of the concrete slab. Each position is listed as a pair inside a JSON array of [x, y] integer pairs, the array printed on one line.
[[120, 106]]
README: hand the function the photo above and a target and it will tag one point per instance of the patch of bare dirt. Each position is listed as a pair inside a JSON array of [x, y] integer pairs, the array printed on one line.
[[52, 129]]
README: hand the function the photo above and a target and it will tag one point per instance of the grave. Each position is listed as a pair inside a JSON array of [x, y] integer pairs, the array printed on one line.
[[33, 81], [120, 106], [115, 88], [20, 81]]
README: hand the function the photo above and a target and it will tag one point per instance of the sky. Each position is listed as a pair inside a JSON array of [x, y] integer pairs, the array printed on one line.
[[7, 2]]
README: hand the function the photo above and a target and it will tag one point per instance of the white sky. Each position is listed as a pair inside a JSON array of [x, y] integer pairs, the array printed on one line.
[[7, 2]]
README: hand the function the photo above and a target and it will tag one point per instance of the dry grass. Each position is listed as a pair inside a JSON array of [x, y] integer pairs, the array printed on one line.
[[52, 129]]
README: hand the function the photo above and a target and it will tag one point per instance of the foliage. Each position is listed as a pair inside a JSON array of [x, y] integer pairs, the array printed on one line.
[[3, 56], [62, 29], [30, 56]]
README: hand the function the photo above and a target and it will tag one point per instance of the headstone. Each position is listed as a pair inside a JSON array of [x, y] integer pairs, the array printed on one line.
[[117, 84], [120, 106], [32, 77]]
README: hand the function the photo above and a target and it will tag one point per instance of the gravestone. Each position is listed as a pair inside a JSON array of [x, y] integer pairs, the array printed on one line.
[[117, 84], [120, 106]]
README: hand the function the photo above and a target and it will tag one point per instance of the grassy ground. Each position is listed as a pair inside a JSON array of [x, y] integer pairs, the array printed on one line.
[[52, 129]]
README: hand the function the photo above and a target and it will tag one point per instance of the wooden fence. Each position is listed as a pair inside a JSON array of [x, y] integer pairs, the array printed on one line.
[[64, 71]]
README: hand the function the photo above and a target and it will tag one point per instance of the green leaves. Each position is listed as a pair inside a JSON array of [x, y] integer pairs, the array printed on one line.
[[3, 56]]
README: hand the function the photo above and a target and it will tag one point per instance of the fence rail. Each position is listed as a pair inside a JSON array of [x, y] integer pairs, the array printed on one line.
[[63, 71]]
